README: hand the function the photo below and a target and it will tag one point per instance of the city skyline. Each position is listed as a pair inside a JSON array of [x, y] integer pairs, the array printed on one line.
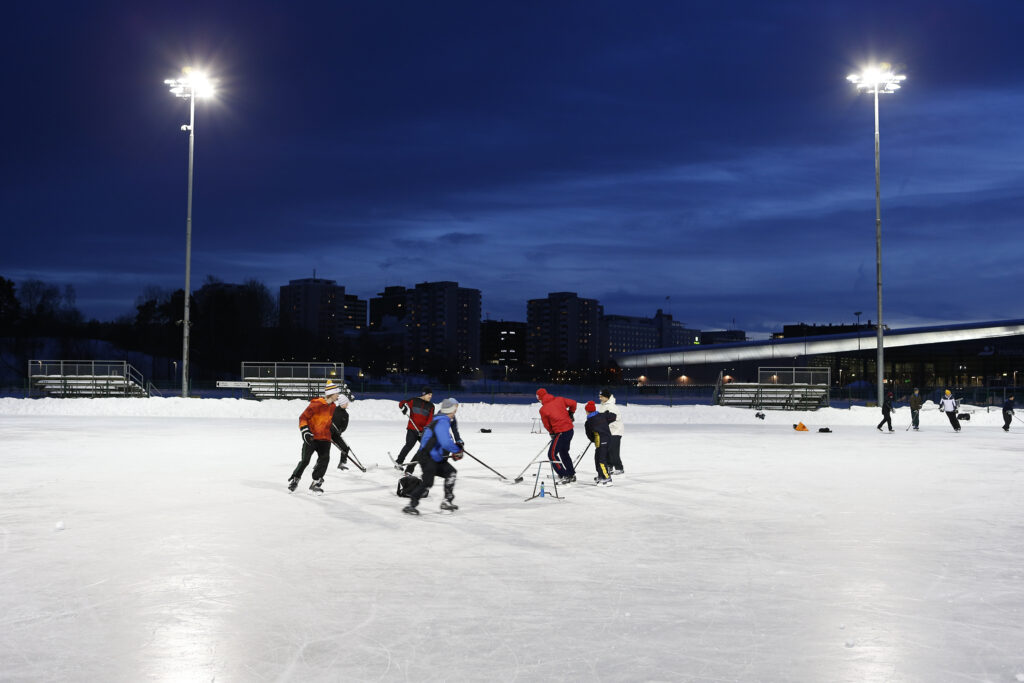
[[713, 155]]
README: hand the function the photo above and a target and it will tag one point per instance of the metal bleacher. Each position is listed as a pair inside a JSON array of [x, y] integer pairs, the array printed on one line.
[[778, 389], [287, 380], [86, 378]]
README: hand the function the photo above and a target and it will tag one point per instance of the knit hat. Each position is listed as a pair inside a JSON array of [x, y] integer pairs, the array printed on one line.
[[331, 389], [948, 392], [606, 392], [425, 391], [342, 401], [448, 406], [590, 407]]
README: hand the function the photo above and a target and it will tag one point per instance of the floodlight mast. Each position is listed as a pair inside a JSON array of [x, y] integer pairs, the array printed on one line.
[[879, 80], [191, 85]]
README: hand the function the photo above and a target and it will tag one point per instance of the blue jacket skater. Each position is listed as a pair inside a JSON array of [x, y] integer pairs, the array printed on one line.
[[444, 444]]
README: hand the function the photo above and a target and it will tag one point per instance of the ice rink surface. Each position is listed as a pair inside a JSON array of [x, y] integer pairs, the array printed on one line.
[[154, 540]]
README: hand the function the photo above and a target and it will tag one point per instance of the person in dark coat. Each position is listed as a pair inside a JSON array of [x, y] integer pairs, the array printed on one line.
[[1007, 413], [600, 435], [886, 412], [915, 408]]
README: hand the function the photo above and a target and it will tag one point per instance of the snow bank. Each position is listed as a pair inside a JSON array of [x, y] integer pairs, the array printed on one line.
[[484, 413]]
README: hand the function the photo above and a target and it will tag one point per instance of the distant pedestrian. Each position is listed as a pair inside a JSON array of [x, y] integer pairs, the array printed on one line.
[[557, 414], [616, 428], [915, 408], [419, 411], [949, 406], [315, 425], [886, 412], [1007, 413], [597, 431]]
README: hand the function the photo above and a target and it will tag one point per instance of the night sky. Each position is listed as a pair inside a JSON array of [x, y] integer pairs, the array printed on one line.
[[710, 152]]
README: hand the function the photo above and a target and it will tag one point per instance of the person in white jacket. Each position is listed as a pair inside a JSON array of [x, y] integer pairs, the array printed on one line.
[[614, 454], [949, 405]]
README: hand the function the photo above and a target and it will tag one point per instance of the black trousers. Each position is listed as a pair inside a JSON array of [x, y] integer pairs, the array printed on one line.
[[412, 438], [323, 458], [886, 419], [614, 456], [1007, 417], [601, 463], [430, 469], [952, 420]]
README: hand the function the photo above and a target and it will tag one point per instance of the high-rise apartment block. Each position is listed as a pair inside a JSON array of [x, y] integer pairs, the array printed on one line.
[[563, 333]]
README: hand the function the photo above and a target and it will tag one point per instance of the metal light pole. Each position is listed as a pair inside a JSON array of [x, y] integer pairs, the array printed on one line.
[[191, 85], [879, 80]]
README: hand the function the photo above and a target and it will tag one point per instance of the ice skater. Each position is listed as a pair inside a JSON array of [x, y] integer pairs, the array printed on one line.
[[949, 405], [315, 425], [615, 445], [556, 414], [1007, 413], [886, 412], [419, 411], [915, 408], [437, 446], [596, 428]]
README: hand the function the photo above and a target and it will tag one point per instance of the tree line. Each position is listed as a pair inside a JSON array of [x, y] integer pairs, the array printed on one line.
[[229, 324]]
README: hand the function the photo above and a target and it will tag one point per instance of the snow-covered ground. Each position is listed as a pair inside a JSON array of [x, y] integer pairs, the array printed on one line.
[[154, 539]]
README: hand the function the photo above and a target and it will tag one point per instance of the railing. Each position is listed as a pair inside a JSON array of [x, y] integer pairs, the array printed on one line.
[[86, 378], [288, 380]]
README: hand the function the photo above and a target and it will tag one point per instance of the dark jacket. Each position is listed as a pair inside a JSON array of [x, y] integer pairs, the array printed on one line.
[[887, 405], [596, 427], [1008, 406], [339, 423], [916, 401]]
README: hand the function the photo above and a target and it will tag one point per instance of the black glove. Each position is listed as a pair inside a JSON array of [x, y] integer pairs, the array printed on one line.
[[404, 408], [307, 435], [461, 444]]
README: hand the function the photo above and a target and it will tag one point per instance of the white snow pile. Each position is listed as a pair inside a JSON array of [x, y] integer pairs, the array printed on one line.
[[483, 413]]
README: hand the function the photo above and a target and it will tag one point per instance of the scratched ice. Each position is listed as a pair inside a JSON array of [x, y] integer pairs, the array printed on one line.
[[733, 549]]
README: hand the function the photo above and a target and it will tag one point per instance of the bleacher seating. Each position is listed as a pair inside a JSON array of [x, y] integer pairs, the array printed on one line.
[[287, 380], [86, 378], [774, 396]]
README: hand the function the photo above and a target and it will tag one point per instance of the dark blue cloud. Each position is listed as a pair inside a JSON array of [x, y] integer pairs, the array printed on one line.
[[710, 152]]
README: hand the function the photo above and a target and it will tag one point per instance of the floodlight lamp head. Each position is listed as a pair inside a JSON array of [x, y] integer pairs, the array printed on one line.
[[880, 78]]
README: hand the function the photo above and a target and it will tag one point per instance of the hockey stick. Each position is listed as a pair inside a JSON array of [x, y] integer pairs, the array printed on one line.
[[355, 460], [485, 464], [575, 464], [519, 478]]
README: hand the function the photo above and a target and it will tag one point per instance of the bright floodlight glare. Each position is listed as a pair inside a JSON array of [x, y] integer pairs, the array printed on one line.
[[192, 83], [881, 77]]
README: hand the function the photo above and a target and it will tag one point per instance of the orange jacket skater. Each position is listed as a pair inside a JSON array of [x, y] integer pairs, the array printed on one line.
[[315, 428]]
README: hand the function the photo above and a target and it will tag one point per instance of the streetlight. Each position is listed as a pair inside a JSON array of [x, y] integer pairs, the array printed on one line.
[[190, 85], [878, 80]]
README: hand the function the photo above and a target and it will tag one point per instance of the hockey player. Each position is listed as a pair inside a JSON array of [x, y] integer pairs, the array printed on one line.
[[1007, 413], [915, 408], [437, 445], [615, 445], [948, 405], [886, 412], [315, 425], [597, 431], [557, 414], [339, 423], [419, 411]]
